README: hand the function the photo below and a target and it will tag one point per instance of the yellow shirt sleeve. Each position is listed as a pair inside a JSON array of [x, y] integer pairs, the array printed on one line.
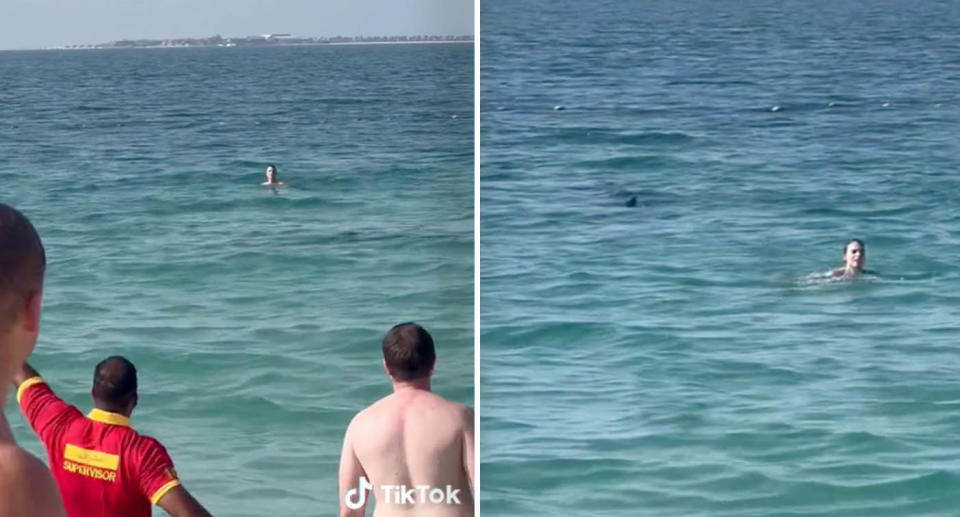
[[26, 384]]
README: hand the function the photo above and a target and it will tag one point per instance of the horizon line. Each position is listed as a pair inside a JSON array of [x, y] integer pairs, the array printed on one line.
[[93, 46]]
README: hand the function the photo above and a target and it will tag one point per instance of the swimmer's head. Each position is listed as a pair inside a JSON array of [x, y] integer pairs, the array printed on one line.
[[22, 265], [854, 255], [408, 352], [115, 385], [271, 173]]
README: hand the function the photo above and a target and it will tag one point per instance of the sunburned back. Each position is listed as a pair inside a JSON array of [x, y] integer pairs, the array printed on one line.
[[414, 439]]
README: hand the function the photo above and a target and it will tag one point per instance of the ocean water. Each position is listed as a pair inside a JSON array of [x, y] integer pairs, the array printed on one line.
[[675, 357], [254, 316]]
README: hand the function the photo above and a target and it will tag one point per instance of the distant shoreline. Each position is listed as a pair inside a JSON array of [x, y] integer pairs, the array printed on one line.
[[266, 40], [339, 44], [393, 42], [344, 44]]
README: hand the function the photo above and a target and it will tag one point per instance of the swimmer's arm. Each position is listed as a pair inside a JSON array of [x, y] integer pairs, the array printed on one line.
[[179, 503], [350, 472], [28, 488], [468, 456]]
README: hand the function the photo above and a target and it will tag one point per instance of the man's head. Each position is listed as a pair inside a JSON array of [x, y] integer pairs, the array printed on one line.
[[115, 385], [408, 352], [22, 264], [854, 254]]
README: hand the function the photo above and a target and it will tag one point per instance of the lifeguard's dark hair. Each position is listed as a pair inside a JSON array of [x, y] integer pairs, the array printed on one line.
[[408, 352], [114, 382], [22, 263]]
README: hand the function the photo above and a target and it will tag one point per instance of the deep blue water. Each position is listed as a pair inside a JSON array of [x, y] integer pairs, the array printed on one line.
[[254, 316], [676, 358]]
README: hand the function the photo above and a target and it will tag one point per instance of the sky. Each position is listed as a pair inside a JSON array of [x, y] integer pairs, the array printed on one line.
[[31, 24]]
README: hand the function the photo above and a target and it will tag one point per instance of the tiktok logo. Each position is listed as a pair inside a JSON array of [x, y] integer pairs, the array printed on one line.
[[355, 498]]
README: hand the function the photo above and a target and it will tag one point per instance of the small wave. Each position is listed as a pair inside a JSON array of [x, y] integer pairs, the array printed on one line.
[[909, 483], [846, 213], [180, 114], [800, 107], [654, 137], [602, 135], [89, 108], [707, 82], [627, 162], [818, 279], [827, 278]]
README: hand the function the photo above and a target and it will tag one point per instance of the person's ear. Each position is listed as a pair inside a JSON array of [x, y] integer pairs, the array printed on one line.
[[31, 312]]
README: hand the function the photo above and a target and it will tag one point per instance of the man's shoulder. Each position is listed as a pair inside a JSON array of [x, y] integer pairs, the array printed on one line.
[[11, 455], [465, 413], [453, 414], [389, 405], [373, 409], [26, 485], [17, 464], [146, 442], [453, 406], [362, 416]]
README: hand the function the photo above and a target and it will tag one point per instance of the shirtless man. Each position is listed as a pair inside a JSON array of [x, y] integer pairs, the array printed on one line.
[[412, 449], [26, 487]]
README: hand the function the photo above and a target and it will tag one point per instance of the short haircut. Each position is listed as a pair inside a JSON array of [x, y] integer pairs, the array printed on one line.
[[114, 381], [851, 241], [22, 262], [408, 352]]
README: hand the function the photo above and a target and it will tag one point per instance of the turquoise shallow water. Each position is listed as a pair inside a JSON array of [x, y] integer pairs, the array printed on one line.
[[254, 317], [671, 358]]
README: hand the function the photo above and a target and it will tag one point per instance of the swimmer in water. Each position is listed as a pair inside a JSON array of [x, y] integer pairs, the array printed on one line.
[[854, 257], [272, 179]]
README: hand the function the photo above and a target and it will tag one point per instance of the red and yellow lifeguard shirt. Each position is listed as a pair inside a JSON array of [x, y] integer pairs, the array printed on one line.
[[102, 466]]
